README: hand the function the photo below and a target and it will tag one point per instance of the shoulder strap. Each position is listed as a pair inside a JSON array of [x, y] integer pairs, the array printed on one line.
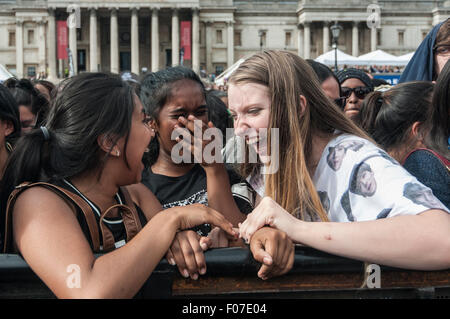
[[130, 219], [73, 198]]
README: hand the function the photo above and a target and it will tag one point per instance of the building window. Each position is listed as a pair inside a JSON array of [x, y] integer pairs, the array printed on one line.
[[79, 34], [378, 37], [30, 36], [401, 37], [262, 38], [31, 71], [219, 36], [288, 38], [12, 39], [237, 38]]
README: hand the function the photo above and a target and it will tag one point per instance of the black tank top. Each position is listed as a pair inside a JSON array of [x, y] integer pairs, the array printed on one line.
[[115, 225]]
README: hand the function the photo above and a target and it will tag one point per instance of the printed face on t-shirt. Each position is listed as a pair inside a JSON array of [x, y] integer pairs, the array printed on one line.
[[366, 183]]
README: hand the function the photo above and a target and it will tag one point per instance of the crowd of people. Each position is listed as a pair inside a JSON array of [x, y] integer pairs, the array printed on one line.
[[88, 166]]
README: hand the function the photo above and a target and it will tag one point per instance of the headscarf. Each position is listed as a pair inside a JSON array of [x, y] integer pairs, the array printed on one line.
[[421, 66]]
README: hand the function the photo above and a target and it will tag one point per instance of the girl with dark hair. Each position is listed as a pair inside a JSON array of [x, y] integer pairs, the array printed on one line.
[[175, 98], [90, 148], [32, 104], [329, 83], [45, 87], [277, 90], [400, 121], [9, 126]]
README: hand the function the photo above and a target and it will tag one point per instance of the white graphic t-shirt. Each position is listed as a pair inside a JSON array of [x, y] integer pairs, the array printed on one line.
[[357, 181]]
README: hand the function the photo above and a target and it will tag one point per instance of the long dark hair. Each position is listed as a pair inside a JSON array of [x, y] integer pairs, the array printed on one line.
[[438, 121], [86, 107], [155, 92], [388, 116], [9, 111]]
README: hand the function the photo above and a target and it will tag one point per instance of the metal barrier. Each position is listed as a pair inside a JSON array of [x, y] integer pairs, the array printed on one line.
[[231, 273]]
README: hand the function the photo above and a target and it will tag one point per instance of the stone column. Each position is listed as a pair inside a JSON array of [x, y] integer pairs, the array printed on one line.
[[373, 39], [93, 54], [300, 41], [230, 44], [41, 44], [51, 45], [355, 39], [135, 40], [209, 65], [326, 36], [155, 40], [307, 40], [19, 49], [195, 41], [114, 42], [73, 47], [175, 38]]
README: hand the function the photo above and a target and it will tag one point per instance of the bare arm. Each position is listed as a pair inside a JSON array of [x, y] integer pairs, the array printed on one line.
[[412, 242], [50, 239]]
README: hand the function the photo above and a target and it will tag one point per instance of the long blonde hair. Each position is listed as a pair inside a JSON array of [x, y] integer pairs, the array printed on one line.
[[287, 77]]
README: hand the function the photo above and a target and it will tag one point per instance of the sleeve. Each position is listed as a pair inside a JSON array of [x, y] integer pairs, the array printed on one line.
[[243, 193], [430, 171]]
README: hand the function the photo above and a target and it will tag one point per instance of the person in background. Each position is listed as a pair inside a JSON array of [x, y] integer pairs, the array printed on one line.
[[329, 83], [400, 121], [431, 55], [32, 104], [355, 85], [45, 87]]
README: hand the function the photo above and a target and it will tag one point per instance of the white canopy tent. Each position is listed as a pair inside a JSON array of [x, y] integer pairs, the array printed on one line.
[[4, 73], [404, 59], [379, 57], [328, 58]]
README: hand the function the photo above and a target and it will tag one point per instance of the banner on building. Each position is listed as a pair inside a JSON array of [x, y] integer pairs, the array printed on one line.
[[185, 29], [62, 40]]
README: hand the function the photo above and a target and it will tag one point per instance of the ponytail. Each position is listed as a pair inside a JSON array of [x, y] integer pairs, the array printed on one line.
[[368, 113]]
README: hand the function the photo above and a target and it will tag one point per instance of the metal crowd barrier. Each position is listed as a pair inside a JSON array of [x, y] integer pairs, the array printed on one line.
[[232, 273]]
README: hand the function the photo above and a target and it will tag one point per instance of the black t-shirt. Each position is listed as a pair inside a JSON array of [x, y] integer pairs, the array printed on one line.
[[191, 189]]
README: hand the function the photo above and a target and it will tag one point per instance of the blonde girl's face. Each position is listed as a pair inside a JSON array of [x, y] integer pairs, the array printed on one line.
[[249, 105]]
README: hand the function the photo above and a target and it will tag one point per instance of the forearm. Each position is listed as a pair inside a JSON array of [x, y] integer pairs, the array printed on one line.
[[220, 197], [412, 242], [121, 273]]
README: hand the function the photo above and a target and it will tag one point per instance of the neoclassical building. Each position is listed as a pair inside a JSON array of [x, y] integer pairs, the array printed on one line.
[[210, 35]]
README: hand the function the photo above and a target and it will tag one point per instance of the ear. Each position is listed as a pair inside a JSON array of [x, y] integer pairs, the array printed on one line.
[[153, 124], [9, 128], [302, 105], [107, 145], [416, 131]]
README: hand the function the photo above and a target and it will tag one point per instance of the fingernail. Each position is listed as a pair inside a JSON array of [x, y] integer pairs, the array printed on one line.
[[172, 261], [267, 260], [195, 276], [204, 246], [185, 274], [202, 271]]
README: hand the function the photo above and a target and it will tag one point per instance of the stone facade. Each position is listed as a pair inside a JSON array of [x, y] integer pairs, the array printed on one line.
[[119, 35]]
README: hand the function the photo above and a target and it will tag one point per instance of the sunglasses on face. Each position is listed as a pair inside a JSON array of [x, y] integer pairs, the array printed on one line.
[[340, 102], [360, 92]]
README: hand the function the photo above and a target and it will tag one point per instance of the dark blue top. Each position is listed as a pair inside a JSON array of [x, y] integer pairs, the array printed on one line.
[[421, 66], [430, 171]]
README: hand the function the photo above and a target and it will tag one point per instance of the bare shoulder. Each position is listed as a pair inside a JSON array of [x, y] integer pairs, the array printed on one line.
[[145, 199]]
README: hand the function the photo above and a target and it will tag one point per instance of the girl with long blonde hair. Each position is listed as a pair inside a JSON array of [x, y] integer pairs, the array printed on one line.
[[329, 170]]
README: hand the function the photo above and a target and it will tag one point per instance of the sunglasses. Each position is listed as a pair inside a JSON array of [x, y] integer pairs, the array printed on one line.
[[340, 102], [360, 92]]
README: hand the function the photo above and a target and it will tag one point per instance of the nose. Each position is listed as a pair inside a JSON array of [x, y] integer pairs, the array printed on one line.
[[240, 127]]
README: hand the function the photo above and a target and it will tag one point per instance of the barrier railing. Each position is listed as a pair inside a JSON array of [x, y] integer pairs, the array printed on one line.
[[232, 273]]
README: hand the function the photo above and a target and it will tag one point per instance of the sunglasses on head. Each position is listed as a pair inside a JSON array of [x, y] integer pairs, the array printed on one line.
[[360, 92]]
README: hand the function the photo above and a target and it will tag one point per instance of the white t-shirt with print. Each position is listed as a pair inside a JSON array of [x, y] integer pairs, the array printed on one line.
[[357, 181]]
